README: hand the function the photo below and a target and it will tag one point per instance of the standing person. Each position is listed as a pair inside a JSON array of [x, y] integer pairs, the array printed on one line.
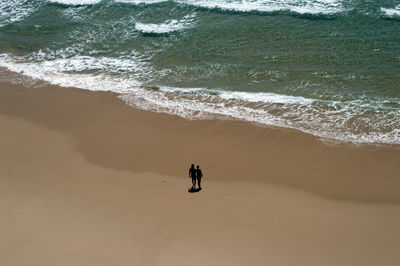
[[199, 175], [192, 174]]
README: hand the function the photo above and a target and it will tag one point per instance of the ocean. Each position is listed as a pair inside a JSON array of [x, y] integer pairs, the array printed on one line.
[[330, 68]]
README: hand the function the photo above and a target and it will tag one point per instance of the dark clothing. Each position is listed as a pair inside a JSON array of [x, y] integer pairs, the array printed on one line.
[[192, 174], [199, 175]]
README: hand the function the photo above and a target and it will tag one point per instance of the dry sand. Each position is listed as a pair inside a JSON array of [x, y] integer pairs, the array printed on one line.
[[87, 180]]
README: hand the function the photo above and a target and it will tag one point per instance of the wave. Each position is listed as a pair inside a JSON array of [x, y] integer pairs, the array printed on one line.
[[167, 27], [84, 72], [391, 12], [138, 2], [302, 7], [299, 6], [16, 10], [12, 11], [75, 2], [254, 97]]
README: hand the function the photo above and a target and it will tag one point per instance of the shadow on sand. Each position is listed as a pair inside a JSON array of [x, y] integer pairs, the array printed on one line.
[[193, 190]]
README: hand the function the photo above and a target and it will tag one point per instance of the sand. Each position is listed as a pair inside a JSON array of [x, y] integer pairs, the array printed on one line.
[[88, 180]]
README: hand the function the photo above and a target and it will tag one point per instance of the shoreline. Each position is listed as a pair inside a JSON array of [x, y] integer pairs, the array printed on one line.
[[86, 180], [171, 100], [112, 134]]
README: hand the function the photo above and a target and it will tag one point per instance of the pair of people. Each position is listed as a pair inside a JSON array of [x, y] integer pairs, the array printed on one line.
[[195, 174]]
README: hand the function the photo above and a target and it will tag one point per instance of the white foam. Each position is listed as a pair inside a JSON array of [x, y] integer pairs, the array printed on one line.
[[75, 2], [166, 27], [63, 71], [253, 97], [137, 2], [299, 6], [391, 12], [308, 6], [262, 97]]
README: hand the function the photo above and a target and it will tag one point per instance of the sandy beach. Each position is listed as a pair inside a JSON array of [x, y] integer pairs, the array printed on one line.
[[87, 180]]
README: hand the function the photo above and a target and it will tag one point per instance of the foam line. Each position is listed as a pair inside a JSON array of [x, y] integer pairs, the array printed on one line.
[[391, 12], [75, 2], [298, 6], [333, 120], [167, 27]]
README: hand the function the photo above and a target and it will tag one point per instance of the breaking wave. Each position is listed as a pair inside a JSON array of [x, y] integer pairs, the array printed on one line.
[[75, 2], [391, 12], [300, 6], [167, 27]]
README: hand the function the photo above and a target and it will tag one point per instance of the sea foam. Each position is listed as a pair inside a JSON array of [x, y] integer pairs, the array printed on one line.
[[166, 27], [298, 6], [254, 97], [75, 2], [391, 12], [309, 6], [73, 71], [137, 2]]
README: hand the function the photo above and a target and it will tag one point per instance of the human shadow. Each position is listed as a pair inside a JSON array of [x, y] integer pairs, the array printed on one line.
[[193, 190]]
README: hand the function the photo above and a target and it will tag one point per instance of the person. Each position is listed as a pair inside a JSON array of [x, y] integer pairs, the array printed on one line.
[[192, 174], [199, 175]]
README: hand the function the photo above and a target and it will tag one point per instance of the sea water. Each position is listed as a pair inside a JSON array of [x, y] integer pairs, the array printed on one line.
[[330, 68]]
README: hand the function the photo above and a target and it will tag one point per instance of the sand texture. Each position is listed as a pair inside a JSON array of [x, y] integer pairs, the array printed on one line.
[[87, 180]]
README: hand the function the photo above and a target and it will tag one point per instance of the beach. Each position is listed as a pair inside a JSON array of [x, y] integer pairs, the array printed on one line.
[[290, 108], [87, 180]]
